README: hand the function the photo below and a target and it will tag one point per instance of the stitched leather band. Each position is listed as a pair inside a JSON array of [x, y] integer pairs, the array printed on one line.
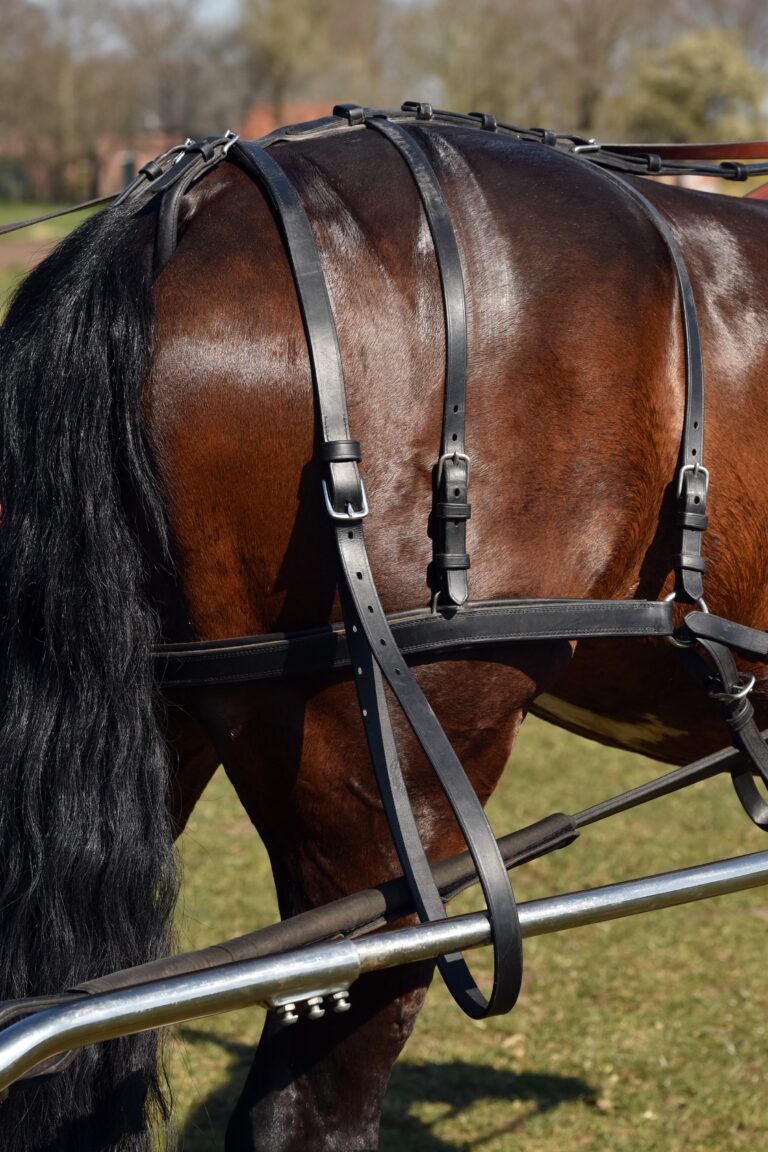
[[450, 558], [476, 628], [364, 617]]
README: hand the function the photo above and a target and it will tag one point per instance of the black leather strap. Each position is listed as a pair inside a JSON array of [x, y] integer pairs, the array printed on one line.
[[477, 627], [198, 157], [725, 684], [364, 617], [748, 642], [450, 557], [692, 476]]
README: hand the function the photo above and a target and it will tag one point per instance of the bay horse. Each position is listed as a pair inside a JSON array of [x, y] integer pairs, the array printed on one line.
[[159, 478]]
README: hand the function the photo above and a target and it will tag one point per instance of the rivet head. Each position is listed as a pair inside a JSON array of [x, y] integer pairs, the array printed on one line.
[[340, 1002], [286, 1015], [315, 1008]]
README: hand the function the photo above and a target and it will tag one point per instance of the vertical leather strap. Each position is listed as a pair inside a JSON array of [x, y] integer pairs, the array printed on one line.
[[451, 508], [375, 651], [692, 476]]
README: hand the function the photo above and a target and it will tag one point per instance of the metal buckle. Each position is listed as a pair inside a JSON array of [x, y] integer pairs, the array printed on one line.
[[695, 468], [351, 515], [455, 456]]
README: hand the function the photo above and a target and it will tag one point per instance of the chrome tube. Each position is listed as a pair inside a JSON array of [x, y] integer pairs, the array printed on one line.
[[324, 969]]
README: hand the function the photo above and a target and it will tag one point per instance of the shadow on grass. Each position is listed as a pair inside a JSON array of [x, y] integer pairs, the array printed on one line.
[[457, 1086]]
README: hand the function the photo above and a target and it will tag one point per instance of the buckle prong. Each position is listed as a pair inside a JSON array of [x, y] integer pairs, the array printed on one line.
[[351, 515]]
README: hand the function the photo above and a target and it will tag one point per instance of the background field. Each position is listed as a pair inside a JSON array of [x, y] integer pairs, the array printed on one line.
[[20, 250], [642, 1034]]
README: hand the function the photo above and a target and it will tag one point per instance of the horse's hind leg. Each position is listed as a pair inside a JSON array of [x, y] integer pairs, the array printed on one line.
[[297, 759]]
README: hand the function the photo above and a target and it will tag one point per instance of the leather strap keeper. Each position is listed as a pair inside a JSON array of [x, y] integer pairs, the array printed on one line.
[[341, 452], [451, 560], [698, 521], [453, 511], [690, 562]]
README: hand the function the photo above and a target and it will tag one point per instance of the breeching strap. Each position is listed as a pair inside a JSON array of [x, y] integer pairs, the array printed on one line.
[[374, 651]]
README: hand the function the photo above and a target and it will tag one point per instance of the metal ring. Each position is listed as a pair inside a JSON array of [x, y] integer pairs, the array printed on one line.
[[746, 684], [673, 640], [700, 602]]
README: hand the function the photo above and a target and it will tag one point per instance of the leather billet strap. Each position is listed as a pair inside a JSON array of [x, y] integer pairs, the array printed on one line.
[[730, 689], [692, 478], [364, 618], [476, 628], [751, 643], [451, 508]]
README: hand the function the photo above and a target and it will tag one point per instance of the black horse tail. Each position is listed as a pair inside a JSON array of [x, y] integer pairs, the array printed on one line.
[[87, 874]]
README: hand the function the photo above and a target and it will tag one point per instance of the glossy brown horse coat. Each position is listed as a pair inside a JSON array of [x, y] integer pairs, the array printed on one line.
[[575, 401]]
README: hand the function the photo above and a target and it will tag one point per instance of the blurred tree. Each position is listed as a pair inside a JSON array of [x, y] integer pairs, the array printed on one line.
[[289, 45], [698, 87]]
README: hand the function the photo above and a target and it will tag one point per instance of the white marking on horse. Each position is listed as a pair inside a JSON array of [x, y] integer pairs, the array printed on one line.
[[646, 731]]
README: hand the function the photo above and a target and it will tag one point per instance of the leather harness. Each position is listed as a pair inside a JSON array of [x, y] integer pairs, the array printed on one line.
[[375, 645]]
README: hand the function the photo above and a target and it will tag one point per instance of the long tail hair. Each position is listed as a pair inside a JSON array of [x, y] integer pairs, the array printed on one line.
[[87, 877]]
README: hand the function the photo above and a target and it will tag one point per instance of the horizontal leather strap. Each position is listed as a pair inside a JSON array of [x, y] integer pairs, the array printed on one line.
[[418, 632], [728, 150]]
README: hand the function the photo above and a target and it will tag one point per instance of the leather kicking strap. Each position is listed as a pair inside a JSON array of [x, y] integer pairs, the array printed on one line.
[[451, 510], [724, 683], [692, 476], [198, 157], [345, 502]]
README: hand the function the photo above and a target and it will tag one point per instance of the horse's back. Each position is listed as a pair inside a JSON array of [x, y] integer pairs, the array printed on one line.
[[575, 395]]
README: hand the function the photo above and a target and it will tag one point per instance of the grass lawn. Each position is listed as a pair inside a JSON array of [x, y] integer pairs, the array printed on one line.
[[642, 1034], [13, 210], [19, 250]]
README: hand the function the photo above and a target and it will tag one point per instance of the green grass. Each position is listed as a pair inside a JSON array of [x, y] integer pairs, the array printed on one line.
[[40, 236], [13, 210], [643, 1034]]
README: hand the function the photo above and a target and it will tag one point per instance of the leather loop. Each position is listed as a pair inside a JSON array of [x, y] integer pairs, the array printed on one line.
[[451, 560], [696, 520], [690, 562], [341, 451], [352, 113], [454, 511]]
